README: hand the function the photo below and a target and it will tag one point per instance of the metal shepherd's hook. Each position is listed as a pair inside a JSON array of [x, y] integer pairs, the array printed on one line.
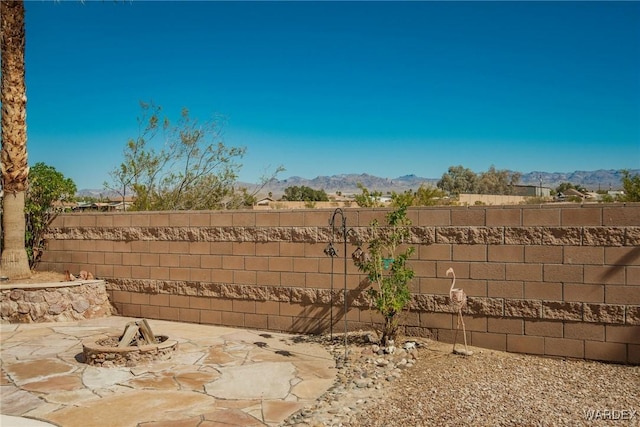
[[331, 252], [343, 230]]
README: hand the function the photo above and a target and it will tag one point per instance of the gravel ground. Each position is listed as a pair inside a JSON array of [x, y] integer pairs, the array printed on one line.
[[488, 388]]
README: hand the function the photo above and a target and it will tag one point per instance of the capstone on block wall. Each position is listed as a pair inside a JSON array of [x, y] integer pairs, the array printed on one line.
[[560, 280]]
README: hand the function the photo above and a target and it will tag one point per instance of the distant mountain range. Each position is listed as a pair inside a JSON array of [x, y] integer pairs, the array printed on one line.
[[603, 179], [348, 183]]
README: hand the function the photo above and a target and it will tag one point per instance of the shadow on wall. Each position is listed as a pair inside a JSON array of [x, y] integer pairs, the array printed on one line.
[[317, 318], [620, 264]]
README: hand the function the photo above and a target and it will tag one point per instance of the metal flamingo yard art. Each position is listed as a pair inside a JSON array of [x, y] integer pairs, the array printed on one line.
[[458, 299]]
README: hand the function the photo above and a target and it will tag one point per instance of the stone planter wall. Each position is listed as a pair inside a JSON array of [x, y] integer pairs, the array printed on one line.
[[561, 280], [54, 302]]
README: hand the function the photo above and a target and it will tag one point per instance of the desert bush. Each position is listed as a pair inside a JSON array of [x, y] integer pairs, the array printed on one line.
[[385, 264]]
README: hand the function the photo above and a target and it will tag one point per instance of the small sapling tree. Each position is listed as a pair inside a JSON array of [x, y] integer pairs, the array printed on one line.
[[385, 264]]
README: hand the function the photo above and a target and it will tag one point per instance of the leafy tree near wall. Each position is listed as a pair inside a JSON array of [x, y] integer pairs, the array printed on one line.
[[48, 191], [304, 194], [368, 199], [139, 161], [631, 186], [457, 180], [405, 198], [426, 195], [385, 264], [182, 166], [495, 181]]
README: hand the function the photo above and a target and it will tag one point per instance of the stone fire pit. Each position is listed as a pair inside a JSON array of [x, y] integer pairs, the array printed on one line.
[[137, 345]]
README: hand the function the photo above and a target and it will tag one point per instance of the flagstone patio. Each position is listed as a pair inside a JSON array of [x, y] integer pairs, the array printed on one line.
[[218, 376]]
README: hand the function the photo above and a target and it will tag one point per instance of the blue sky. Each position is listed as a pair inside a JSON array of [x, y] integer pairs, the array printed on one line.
[[323, 88]]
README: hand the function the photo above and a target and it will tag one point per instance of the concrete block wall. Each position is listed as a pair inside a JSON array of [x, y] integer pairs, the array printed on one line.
[[559, 280]]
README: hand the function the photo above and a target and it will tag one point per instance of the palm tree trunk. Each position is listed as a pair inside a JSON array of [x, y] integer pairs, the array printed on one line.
[[15, 170]]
